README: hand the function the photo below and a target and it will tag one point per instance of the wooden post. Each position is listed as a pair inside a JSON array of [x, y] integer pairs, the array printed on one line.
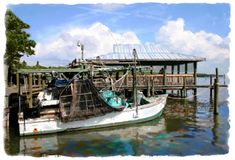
[[185, 90], [117, 75], [126, 80], [39, 81], [164, 78], [186, 72], [134, 83], [17, 79], [30, 90], [43, 81], [195, 77], [151, 70], [152, 86], [148, 87], [216, 92], [186, 68], [215, 129], [178, 79], [172, 80], [211, 87], [19, 92]]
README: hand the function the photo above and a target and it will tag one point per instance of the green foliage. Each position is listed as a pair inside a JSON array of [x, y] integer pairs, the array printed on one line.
[[38, 66], [18, 42]]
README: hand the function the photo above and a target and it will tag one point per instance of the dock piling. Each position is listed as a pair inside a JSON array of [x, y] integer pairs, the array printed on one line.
[[216, 92], [184, 88], [39, 81], [152, 86], [30, 98], [148, 87], [164, 77], [211, 87]]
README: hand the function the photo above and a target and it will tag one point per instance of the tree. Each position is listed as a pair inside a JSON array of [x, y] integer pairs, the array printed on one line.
[[24, 64], [18, 43]]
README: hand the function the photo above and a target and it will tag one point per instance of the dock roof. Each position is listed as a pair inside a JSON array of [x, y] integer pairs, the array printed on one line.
[[147, 53]]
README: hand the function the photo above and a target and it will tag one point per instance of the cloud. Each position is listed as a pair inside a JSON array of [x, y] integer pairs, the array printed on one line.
[[61, 49], [109, 6], [175, 37], [96, 38]]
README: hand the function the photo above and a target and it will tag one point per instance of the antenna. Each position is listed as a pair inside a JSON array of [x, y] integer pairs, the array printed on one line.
[[82, 48]]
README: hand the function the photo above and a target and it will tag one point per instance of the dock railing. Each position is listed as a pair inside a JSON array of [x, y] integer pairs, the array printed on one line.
[[156, 80]]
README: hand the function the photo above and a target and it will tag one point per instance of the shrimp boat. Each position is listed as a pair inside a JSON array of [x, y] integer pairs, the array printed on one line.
[[81, 106]]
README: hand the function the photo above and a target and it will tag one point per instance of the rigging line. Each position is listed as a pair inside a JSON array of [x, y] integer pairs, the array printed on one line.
[[121, 79]]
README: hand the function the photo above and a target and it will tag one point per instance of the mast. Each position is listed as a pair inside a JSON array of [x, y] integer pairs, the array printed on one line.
[[134, 83]]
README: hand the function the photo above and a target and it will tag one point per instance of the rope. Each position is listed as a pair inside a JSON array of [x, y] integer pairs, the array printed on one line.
[[120, 79]]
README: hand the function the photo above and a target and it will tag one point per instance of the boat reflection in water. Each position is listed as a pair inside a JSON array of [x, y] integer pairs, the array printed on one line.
[[186, 127], [107, 142]]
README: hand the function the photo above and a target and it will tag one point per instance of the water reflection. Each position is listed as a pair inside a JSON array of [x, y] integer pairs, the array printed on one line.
[[116, 141], [187, 127]]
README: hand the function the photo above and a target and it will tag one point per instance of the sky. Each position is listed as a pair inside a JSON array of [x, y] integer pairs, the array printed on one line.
[[193, 29]]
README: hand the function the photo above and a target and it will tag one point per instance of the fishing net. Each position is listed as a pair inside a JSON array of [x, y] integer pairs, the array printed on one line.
[[81, 100]]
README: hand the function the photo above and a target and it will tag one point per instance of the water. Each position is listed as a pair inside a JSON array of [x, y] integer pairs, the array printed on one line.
[[187, 127]]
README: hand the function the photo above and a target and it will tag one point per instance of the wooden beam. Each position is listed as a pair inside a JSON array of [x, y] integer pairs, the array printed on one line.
[[172, 69], [178, 71], [17, 79], [172, 72], [152, 86], [39, 80], [135, 83], [151, 70], [43, 81], [148, 87], [211, 87], [30, 98], [195, 72], [216, 93], [164, 75], [19, 91], [186, 68], [117, 75]]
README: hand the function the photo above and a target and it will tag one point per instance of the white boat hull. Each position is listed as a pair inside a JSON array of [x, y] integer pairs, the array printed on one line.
[[128, 115]]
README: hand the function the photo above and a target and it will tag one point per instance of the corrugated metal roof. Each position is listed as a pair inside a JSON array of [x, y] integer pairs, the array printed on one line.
[[149, 52]]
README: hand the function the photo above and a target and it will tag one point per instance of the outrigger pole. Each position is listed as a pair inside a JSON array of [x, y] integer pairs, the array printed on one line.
[[134, 83]]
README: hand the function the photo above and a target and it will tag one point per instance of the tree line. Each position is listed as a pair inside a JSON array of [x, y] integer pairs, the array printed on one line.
[[18, 44]]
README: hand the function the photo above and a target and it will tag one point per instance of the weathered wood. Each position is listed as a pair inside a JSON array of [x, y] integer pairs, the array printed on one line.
[[164, 77], [30, 89], [152, 86], [216, 92], [17, 79], [39, 81], [185, 90], [34, 79], [195, 72], [172, 72], [43, 82], [134, 83], [148, 87], [19, 93], [178, 79], [211, 86], [186, 68], [151, 69], [117, 75]]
